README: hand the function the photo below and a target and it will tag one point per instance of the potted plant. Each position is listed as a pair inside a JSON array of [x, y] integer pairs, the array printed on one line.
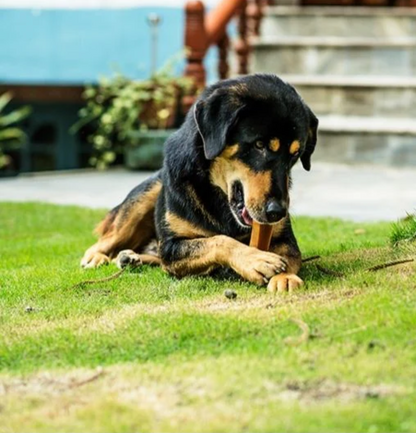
[[132, 118], [11, 136]]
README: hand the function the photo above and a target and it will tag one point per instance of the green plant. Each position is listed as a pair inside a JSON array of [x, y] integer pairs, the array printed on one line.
[[119, 105], [11, 136], [404, 230]]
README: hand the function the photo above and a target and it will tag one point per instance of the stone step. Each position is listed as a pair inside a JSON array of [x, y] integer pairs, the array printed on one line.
[[335, 21], [334, 55], [352, 139], [357, 95]]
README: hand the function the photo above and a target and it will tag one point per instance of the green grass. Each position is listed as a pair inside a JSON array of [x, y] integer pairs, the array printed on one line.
[[404, 230], [176, 355]]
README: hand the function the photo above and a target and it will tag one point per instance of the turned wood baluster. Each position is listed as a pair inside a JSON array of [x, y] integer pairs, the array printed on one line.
[[241, 45], [223, 46], [254, 16], [195, 43]]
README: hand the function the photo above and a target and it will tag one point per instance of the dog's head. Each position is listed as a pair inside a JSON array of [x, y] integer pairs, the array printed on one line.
[[253, 130]]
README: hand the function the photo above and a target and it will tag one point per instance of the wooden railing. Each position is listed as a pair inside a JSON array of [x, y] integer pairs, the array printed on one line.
[[205, 30]]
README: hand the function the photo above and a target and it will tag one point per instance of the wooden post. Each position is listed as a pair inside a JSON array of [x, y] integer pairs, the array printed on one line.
[[241, 45], [219, 17], [254, 15], [196, 43], [223, 46], [203, 31]]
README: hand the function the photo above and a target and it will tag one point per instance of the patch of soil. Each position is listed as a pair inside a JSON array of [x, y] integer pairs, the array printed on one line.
[[48, 384], [315, 392]]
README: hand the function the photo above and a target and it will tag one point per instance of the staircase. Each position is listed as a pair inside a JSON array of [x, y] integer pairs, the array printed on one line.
[[356, 69]]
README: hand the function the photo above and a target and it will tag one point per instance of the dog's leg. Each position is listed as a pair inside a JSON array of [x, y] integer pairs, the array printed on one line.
[[284, 244], [201, 255], [128, 226]]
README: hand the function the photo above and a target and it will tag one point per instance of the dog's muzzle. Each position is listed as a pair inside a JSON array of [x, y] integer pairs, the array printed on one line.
[[272, 213]]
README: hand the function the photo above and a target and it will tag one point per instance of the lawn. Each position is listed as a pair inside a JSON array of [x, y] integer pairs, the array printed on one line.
[[146, 352]]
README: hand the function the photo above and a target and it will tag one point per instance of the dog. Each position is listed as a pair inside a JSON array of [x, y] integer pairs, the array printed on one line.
[[228, 165]]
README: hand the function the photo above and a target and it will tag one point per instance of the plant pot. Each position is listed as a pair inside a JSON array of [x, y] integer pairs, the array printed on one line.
[[146, 150]]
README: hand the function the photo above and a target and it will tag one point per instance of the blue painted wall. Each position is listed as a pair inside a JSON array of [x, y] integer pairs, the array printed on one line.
[[77, 46]]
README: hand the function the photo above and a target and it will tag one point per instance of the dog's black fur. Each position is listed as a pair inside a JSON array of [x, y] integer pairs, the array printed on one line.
[[228, 164]]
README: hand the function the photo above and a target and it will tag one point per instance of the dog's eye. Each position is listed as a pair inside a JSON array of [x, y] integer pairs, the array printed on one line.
[[259, 145]]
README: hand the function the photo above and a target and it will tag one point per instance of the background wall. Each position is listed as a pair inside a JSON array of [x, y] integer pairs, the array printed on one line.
[[73, 42]]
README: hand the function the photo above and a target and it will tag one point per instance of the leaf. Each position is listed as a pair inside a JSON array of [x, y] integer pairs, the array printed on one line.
[[15, 116], [12, 134], [5, 98], [88, 118]]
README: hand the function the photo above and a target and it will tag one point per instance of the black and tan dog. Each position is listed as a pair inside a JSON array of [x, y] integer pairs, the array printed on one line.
[[228, 164]]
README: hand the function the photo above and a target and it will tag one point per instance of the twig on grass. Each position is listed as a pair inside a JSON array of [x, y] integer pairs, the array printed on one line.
[[304, 336], [371, 269], [98, 374], [98, 280], [388, 264], [329, 271], [349, 331], [131, 265], [309, 259]]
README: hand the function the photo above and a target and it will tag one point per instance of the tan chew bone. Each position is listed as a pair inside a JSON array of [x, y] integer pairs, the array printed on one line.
[[261, 235]]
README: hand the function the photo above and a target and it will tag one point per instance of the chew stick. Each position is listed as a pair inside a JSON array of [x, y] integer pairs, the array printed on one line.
[[261, 235]]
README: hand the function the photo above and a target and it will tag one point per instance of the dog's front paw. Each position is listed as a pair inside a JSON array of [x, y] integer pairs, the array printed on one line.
[[126, 258], [94, 260], [259, 266], [284, 283]]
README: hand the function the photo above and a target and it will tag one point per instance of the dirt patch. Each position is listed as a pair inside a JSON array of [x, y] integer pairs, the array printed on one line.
[[322, 296], [58, 393], [315, 392], [48, 383], [108, 321]]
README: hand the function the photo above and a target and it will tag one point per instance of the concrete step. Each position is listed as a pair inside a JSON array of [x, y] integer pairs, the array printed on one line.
[[352, 139], [334, 55], [348, 22], [357, 95]]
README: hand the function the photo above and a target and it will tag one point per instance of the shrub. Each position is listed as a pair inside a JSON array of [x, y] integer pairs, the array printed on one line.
[[11, 136]]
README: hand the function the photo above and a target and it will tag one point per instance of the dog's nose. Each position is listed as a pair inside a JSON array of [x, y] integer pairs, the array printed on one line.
[[274, 211]]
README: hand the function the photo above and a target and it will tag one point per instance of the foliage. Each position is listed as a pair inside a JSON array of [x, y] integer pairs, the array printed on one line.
[[119, 105], [177, 355], [404, 230], [11, 136]]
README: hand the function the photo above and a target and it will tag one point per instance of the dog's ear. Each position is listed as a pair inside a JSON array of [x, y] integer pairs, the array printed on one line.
[[312, 138], [214, 118]]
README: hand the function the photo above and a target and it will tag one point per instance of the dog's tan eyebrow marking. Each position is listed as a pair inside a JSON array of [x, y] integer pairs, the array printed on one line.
[[294, 147], [274, 144], [230, 151]]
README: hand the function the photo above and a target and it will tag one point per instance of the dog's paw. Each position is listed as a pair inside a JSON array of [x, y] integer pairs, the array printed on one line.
[[259, 266], [94, 260], [126, 258], [284, 283]]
